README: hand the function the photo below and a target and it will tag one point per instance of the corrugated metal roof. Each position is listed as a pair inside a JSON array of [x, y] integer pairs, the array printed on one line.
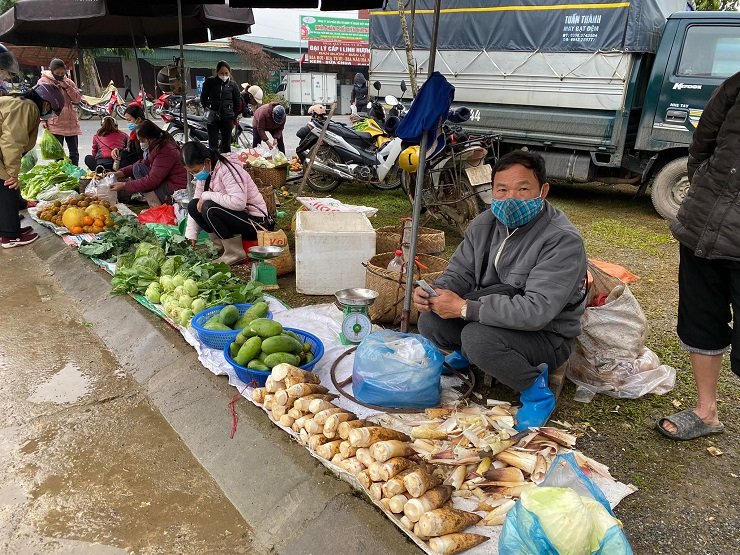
[[197, 56]]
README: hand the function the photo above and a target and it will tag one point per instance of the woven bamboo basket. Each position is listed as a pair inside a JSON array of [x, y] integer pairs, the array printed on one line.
[[274, 177], [268, 193], [391, 286], [429, 241]]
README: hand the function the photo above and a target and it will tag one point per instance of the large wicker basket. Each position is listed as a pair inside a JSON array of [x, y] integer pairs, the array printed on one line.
[[274, 177], [391, 286], [429, 241], [268, 193]]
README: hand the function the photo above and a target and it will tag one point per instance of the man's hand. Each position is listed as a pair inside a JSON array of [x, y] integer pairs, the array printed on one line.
[[447, 305], [11, 183], [118, 186], [421, 300]]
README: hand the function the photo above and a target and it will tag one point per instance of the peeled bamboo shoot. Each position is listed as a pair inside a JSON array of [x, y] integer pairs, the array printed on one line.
[[317, 405], [258, 395], [432, 499], [294, 413], [317, 439], [337, 459], [267, 403], [352, 465], [419, 481], [313, 427], [520, 459], [278, 411], [331, 426], [365, 437], [283, 398], [374, 469], [329, 449], [395, 485], [286, 420], [391, 467], [321, 417], [406, 523], [440, 522], [303, 402], [384, 450], [346, 427], [497, 515], [450, 544], [396, 503], [345, 448], [284, 370], [424, 432], [364, 478], [363, 455], [272, 385], [290, 382], [376, 491], [301, 389]]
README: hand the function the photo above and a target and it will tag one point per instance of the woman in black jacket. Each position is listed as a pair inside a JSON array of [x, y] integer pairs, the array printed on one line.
[[220, 98]]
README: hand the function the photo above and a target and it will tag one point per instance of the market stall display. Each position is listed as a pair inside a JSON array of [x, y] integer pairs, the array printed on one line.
[[82, 214]]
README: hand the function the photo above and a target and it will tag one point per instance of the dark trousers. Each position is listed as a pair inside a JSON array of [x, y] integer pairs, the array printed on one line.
[[219, 135], [92, 162], [225, 223], [72, 142], [10, 204], [256, 139], [128, 93], [510, 356]]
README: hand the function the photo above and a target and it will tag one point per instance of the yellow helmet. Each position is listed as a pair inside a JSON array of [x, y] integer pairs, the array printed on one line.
[[409, 160]]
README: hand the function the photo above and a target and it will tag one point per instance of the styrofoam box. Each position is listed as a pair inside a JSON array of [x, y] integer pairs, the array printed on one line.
[[330, 249]]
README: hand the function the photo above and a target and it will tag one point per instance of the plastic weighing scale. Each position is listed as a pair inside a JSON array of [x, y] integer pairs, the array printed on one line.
[[263, 272], [356, 324]]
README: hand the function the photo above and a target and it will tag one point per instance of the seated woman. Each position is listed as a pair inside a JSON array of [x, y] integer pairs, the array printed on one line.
[[131, 152], [160, 174], [107, 138], [226, 202]]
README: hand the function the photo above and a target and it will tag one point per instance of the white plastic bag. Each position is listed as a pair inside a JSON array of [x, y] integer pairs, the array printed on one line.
[[100, 187], [610, 355], [333, 205]]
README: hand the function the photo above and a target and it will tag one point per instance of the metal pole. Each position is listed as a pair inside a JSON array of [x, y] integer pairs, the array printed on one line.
[[184, 106], [416, 214]]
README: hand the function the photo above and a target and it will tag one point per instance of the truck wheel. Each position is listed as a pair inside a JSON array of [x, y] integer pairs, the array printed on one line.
[[670, 187]]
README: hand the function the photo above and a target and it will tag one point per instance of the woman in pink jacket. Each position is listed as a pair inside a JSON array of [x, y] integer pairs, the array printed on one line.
[[107, 139], [226, 202], [65, 126]]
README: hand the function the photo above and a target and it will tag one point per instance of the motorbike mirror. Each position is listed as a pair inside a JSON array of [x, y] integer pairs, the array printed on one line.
[[377, 85], [369, 105], [391, 100], [403, 86]]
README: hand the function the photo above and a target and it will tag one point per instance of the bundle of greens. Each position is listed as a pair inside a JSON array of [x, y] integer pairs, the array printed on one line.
[[123, 238], [40, 178]]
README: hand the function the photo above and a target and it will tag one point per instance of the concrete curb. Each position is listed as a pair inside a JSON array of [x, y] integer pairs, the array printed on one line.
[[292, 503]]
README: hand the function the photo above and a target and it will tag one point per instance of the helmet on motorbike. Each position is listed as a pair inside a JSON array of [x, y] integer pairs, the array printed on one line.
[[52, 95], [8, 64], [317, 110], [278, 114], [409, 160]]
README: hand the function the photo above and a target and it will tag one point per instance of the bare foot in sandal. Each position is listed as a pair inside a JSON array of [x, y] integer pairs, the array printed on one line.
[[689, 424]]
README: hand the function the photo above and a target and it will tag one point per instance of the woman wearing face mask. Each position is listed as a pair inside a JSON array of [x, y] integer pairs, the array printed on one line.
[[226, 202], [66, 126], [160, 174], [19, 126], [107, 139], [131, 152], [221, 99]]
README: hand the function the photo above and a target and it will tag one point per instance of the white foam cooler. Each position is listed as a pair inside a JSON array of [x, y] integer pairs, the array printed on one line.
[[330, 249]]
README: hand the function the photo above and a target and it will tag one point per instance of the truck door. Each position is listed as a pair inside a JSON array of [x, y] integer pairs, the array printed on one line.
[[704, 54]]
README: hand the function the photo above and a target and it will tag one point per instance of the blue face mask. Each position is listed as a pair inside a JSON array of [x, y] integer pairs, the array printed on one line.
[[514, 212], [131, 126], [202, 175]]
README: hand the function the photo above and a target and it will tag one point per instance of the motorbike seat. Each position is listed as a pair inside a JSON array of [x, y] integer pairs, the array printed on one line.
[[351, 134]]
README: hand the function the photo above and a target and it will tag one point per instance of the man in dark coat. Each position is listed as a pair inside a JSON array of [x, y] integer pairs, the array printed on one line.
[[360, 98], [708, 230]]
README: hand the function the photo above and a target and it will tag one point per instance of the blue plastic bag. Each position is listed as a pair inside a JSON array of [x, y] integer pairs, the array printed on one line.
[[383, 376], [523, 534]]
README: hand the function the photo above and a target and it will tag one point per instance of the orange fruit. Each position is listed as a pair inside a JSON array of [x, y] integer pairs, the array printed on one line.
[[99, 222], [76, 230], [87, 220], [96, 229]]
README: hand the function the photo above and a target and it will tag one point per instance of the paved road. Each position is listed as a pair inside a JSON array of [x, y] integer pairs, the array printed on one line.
[[89, 127]]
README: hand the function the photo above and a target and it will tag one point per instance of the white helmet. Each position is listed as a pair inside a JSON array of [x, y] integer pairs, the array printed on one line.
[[256, 93]]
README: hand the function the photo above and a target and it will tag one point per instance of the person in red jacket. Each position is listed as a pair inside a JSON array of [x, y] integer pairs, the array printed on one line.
[[160, 174], [107, 139], [270, 117]]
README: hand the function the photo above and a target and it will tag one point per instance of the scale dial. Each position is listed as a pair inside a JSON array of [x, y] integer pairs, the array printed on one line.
[[356, 326]]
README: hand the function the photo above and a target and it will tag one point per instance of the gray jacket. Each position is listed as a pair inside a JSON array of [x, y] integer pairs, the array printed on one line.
[[545, 258]]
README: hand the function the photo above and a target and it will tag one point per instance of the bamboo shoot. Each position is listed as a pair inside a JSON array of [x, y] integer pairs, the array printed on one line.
[[258, 395], [345, 448], [419, 481], [374, 469], [283, 398], [321, 417], [384, 450], [425, 432], [396, 503], [286, 420], [364, 478], [440, 522], [284, 370], [432, 499], [391, 467], [352, 465], [331, 426], [315, 440], [303, 402], [346, 427], [317, 405], [450, 544], [365, 437], [406, 523], [329, 449], [267, 403], [301, 389], [363, 455], [395, 485], [376, 491]]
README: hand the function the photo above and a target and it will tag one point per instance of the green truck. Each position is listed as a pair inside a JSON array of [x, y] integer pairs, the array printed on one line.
[[608, 92]]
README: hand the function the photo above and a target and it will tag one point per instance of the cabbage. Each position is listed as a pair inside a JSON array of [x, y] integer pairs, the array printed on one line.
[[171, 265], [148, 263], [564, 518], [166, 283], [178, 280], [186, 301], [153, 251], [602, 521], [199, 305], [179, 291]]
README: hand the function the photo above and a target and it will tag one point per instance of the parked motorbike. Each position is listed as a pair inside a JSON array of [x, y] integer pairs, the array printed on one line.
[[107, 105], [144, 100], [197, 129], [457, 180], [345, 154], [171, 102]]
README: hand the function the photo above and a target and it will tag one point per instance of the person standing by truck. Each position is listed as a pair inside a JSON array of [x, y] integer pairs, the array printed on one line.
[[359, 97], [270, 117], [65, 126], [708, 229], [220, 99]]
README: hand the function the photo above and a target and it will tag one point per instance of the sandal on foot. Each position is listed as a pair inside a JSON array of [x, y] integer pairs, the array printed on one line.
[[688, 426]]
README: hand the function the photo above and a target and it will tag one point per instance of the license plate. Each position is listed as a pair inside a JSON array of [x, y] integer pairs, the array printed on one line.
[[479, 175]]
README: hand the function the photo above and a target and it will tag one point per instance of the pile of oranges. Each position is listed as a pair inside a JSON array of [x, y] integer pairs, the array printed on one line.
[[84, 214]]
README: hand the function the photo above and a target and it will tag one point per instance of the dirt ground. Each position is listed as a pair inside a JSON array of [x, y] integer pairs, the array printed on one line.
[[687, 501]]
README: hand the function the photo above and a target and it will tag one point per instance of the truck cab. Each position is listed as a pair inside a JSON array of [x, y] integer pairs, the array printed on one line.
[[697, 52]]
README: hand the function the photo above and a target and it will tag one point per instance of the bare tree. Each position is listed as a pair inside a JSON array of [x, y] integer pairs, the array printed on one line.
[[262, 65], [717, 5], [411, 66]]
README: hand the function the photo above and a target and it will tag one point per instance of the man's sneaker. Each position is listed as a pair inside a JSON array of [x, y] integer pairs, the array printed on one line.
[[24, 239]]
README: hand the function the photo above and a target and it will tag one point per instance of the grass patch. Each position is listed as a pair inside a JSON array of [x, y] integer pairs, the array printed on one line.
[[625, 234]]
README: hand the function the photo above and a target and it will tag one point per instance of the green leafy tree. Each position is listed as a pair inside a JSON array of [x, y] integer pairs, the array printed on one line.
[[717, 5]]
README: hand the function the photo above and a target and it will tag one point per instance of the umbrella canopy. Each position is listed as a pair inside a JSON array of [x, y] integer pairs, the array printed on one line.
[[111, 24]]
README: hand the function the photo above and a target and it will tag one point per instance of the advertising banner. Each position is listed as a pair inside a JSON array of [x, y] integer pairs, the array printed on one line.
[[338, 52], [332, 28]]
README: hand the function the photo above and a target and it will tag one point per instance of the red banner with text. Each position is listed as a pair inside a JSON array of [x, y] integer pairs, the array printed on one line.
[[339, 52]]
